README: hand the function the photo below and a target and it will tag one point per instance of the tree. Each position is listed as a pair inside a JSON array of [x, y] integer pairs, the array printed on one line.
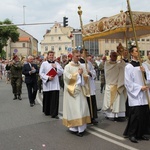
[[7, 31], [3, 54]]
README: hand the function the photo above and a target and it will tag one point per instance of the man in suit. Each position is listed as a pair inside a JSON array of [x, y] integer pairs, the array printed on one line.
[[30, 71]]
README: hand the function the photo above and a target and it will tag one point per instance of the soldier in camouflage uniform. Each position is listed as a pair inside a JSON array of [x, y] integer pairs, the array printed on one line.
[[16, 77]]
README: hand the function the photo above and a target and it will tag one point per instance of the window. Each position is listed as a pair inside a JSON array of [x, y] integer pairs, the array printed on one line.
[[59, 38], [142, 53], [143, 40], [52, 48], [52, 38], [112, 40], [106, 41], [23, 44], [147, 40], [117, 40], [59, 48], [106, 52], [148, 51], [55, 29], [66, 47], [112, 50], [46, 48]]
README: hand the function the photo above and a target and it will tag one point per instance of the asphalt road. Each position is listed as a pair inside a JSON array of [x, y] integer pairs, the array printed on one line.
[[26, 128]]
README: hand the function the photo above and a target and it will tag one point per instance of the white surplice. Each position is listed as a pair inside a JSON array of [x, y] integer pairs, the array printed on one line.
[[134, 83], [50, 85]]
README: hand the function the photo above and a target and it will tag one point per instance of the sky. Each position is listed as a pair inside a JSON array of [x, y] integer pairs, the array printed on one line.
[[50, 11]]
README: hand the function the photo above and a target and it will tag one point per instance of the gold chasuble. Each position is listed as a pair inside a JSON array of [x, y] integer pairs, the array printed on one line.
[[75, 107], [115, 92]]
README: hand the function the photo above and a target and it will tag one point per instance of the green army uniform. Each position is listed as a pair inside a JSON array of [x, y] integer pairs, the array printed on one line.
[[16, 79]]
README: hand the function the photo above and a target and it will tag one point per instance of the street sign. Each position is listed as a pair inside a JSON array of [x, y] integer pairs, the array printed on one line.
[[15, 50]]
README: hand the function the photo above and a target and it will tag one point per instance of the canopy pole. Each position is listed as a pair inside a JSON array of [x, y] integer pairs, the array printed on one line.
[[135, 37], [85, 54]]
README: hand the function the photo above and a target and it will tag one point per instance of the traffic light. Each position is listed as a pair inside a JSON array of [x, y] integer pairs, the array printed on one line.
[[65, 21]]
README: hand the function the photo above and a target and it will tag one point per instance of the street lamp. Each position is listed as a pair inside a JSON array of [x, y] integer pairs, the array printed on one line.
[[24, 14]]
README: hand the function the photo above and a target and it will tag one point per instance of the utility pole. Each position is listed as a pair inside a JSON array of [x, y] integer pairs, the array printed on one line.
[[24, 14]]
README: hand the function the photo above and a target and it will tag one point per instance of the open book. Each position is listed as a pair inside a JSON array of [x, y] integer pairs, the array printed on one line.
[[52, 73]]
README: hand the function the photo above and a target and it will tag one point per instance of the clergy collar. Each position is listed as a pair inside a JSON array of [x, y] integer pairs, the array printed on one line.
[[135, 63], [112, 62], [50, 61], [75, 63], [134, 60]]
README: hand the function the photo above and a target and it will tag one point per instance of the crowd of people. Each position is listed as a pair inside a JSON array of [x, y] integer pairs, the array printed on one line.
[[126, 96]]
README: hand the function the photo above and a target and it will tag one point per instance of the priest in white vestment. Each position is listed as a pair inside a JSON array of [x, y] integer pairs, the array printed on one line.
[[115, 93], [75, 108]]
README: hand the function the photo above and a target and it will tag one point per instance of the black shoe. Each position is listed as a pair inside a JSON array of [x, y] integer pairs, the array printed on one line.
[[99, 109], [73, 132], [133, 139], [94, 122], [15, 97], [56, 117], [31, 105], [80, 134], [144, 138], [19, 97], [120, 119]]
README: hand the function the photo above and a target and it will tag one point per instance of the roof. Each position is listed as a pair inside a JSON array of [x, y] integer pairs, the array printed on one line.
[[24, 39]]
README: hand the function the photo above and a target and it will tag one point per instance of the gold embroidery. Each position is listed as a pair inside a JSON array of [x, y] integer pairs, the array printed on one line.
[[76, 122], [72, 83], [113, 93]]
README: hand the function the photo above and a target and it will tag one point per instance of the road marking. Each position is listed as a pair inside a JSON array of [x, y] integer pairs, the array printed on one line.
[[99, 130], [111, 140], [38, 99], [108, 133]]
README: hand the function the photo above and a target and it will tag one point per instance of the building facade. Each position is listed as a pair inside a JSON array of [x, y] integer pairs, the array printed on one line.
[[58, 39], [26, 45], [108, 45]]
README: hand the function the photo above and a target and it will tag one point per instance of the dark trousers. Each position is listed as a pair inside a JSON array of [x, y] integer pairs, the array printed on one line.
[[16, 83], [51, 103], [92, 104], [127, 108], [32, 91], [138, 121], [98, 74]]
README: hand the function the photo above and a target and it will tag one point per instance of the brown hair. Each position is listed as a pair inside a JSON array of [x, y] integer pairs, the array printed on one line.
[[75, 51], [50, 52]]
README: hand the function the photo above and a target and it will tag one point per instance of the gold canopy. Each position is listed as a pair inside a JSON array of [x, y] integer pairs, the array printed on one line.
[[118, 26]]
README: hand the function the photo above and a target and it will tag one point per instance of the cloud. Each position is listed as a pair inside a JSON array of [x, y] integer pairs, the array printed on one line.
[[54, 10]]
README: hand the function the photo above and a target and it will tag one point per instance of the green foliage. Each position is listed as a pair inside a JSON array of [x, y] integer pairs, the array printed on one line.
[[3, 54], [7, 30]]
